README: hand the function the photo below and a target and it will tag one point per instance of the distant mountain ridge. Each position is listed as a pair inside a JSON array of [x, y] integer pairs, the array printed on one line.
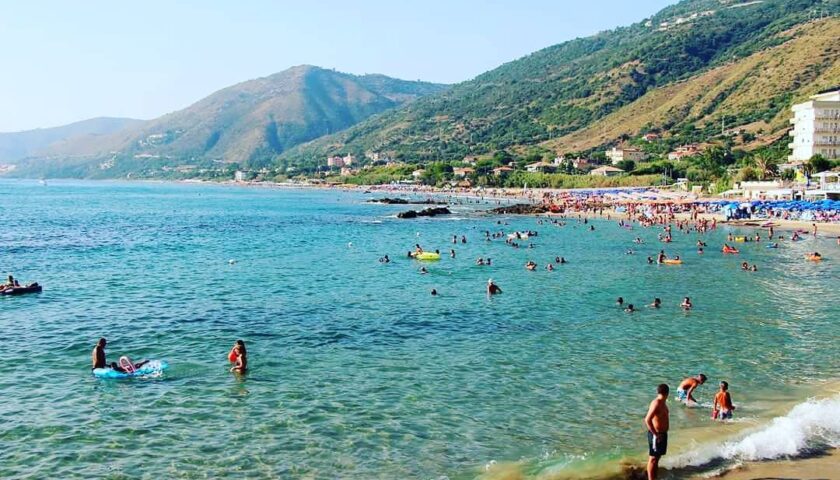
[[18, 145], [686, 72], [247, 124]]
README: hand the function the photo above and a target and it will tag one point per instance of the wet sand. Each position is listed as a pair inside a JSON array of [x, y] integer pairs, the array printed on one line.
[[823, 467]]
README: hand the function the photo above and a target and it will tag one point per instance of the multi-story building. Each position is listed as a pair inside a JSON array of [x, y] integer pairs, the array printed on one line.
[[619, 154], [816, 127]]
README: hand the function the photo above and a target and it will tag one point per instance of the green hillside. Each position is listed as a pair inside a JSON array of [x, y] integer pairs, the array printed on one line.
[[553, 93], [246, 124]]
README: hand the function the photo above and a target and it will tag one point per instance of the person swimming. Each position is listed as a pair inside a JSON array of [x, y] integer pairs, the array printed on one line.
[[656, 303], [630, 308], [492, 288], [530, 265], [619, 301], [686, 304]]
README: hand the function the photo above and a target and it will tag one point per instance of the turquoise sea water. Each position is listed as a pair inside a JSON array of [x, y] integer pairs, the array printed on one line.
[[356, 370]]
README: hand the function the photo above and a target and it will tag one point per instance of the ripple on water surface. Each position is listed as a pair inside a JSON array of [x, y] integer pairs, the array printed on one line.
[[356, 370]]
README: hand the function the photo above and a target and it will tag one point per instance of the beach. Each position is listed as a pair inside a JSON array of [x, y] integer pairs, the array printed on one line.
[[823, 466], [357, 371]]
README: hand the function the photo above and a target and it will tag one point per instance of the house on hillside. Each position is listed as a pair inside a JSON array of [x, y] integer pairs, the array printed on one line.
[[616, 155], [470, 159], [501, 170], [685, 151], [417, 174], [462, 172], [335, 161], [540, 167], [606, 171], [348, 160], [816, 127], [650, 137]]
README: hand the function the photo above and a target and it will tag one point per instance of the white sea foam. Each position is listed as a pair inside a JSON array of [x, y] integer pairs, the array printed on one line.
[[811, 424]]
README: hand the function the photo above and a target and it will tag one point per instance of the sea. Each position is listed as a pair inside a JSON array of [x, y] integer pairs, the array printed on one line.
[[356, 371]]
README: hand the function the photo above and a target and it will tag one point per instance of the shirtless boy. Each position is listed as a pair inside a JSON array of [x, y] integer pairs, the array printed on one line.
[[657, 422]]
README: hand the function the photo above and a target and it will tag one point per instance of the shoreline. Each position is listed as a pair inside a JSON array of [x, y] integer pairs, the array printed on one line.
[[819, 466], [517, 195]]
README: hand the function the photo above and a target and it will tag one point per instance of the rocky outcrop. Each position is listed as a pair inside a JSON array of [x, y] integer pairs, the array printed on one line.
[[520, 209], [402, 201], [426, 212]]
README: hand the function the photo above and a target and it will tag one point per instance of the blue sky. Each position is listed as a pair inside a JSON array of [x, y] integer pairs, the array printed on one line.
[[64, 61]]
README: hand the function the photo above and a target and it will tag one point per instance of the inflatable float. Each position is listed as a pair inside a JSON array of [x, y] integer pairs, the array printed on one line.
[[740, 239], [672, 261], [729, 250], [153, 367], [426, 256], [21, 290]]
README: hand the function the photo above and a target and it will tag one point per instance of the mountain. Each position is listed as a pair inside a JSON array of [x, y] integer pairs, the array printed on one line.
[[17, 145], [246, 124], [690, 67]]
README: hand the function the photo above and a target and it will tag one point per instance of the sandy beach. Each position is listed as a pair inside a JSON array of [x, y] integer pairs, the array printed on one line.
[[823, 467]]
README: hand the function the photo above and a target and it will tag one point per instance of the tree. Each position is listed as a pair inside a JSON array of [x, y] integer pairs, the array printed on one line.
[[626, 165], [818, 164], [765, 165], [788, 174]]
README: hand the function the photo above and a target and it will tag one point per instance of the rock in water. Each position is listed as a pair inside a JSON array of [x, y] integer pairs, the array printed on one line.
[[426, 212], [520, 209]]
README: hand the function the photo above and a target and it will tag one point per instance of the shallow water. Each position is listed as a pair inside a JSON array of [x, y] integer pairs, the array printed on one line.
[[356, 370]]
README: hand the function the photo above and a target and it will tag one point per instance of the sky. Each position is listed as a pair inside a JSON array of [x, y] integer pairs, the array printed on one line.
[[64, 61]]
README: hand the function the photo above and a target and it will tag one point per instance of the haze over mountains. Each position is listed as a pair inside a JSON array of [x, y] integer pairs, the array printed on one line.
[[689, 68], [19, 145]]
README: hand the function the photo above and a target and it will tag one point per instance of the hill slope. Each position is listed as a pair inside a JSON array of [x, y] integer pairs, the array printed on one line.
[[566, 89], [17, 145], [248, 123]]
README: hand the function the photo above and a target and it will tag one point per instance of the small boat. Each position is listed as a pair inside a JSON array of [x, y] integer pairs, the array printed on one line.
[[34, 288]]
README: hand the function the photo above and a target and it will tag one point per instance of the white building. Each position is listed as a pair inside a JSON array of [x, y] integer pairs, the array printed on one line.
[[816, 127], [606, 171], [620, 154]]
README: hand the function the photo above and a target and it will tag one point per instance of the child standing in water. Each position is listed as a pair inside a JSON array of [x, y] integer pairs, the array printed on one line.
[[239, 357], [722, 409]]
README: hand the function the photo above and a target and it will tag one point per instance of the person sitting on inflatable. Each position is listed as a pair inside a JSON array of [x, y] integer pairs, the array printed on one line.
[[125, 365]]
